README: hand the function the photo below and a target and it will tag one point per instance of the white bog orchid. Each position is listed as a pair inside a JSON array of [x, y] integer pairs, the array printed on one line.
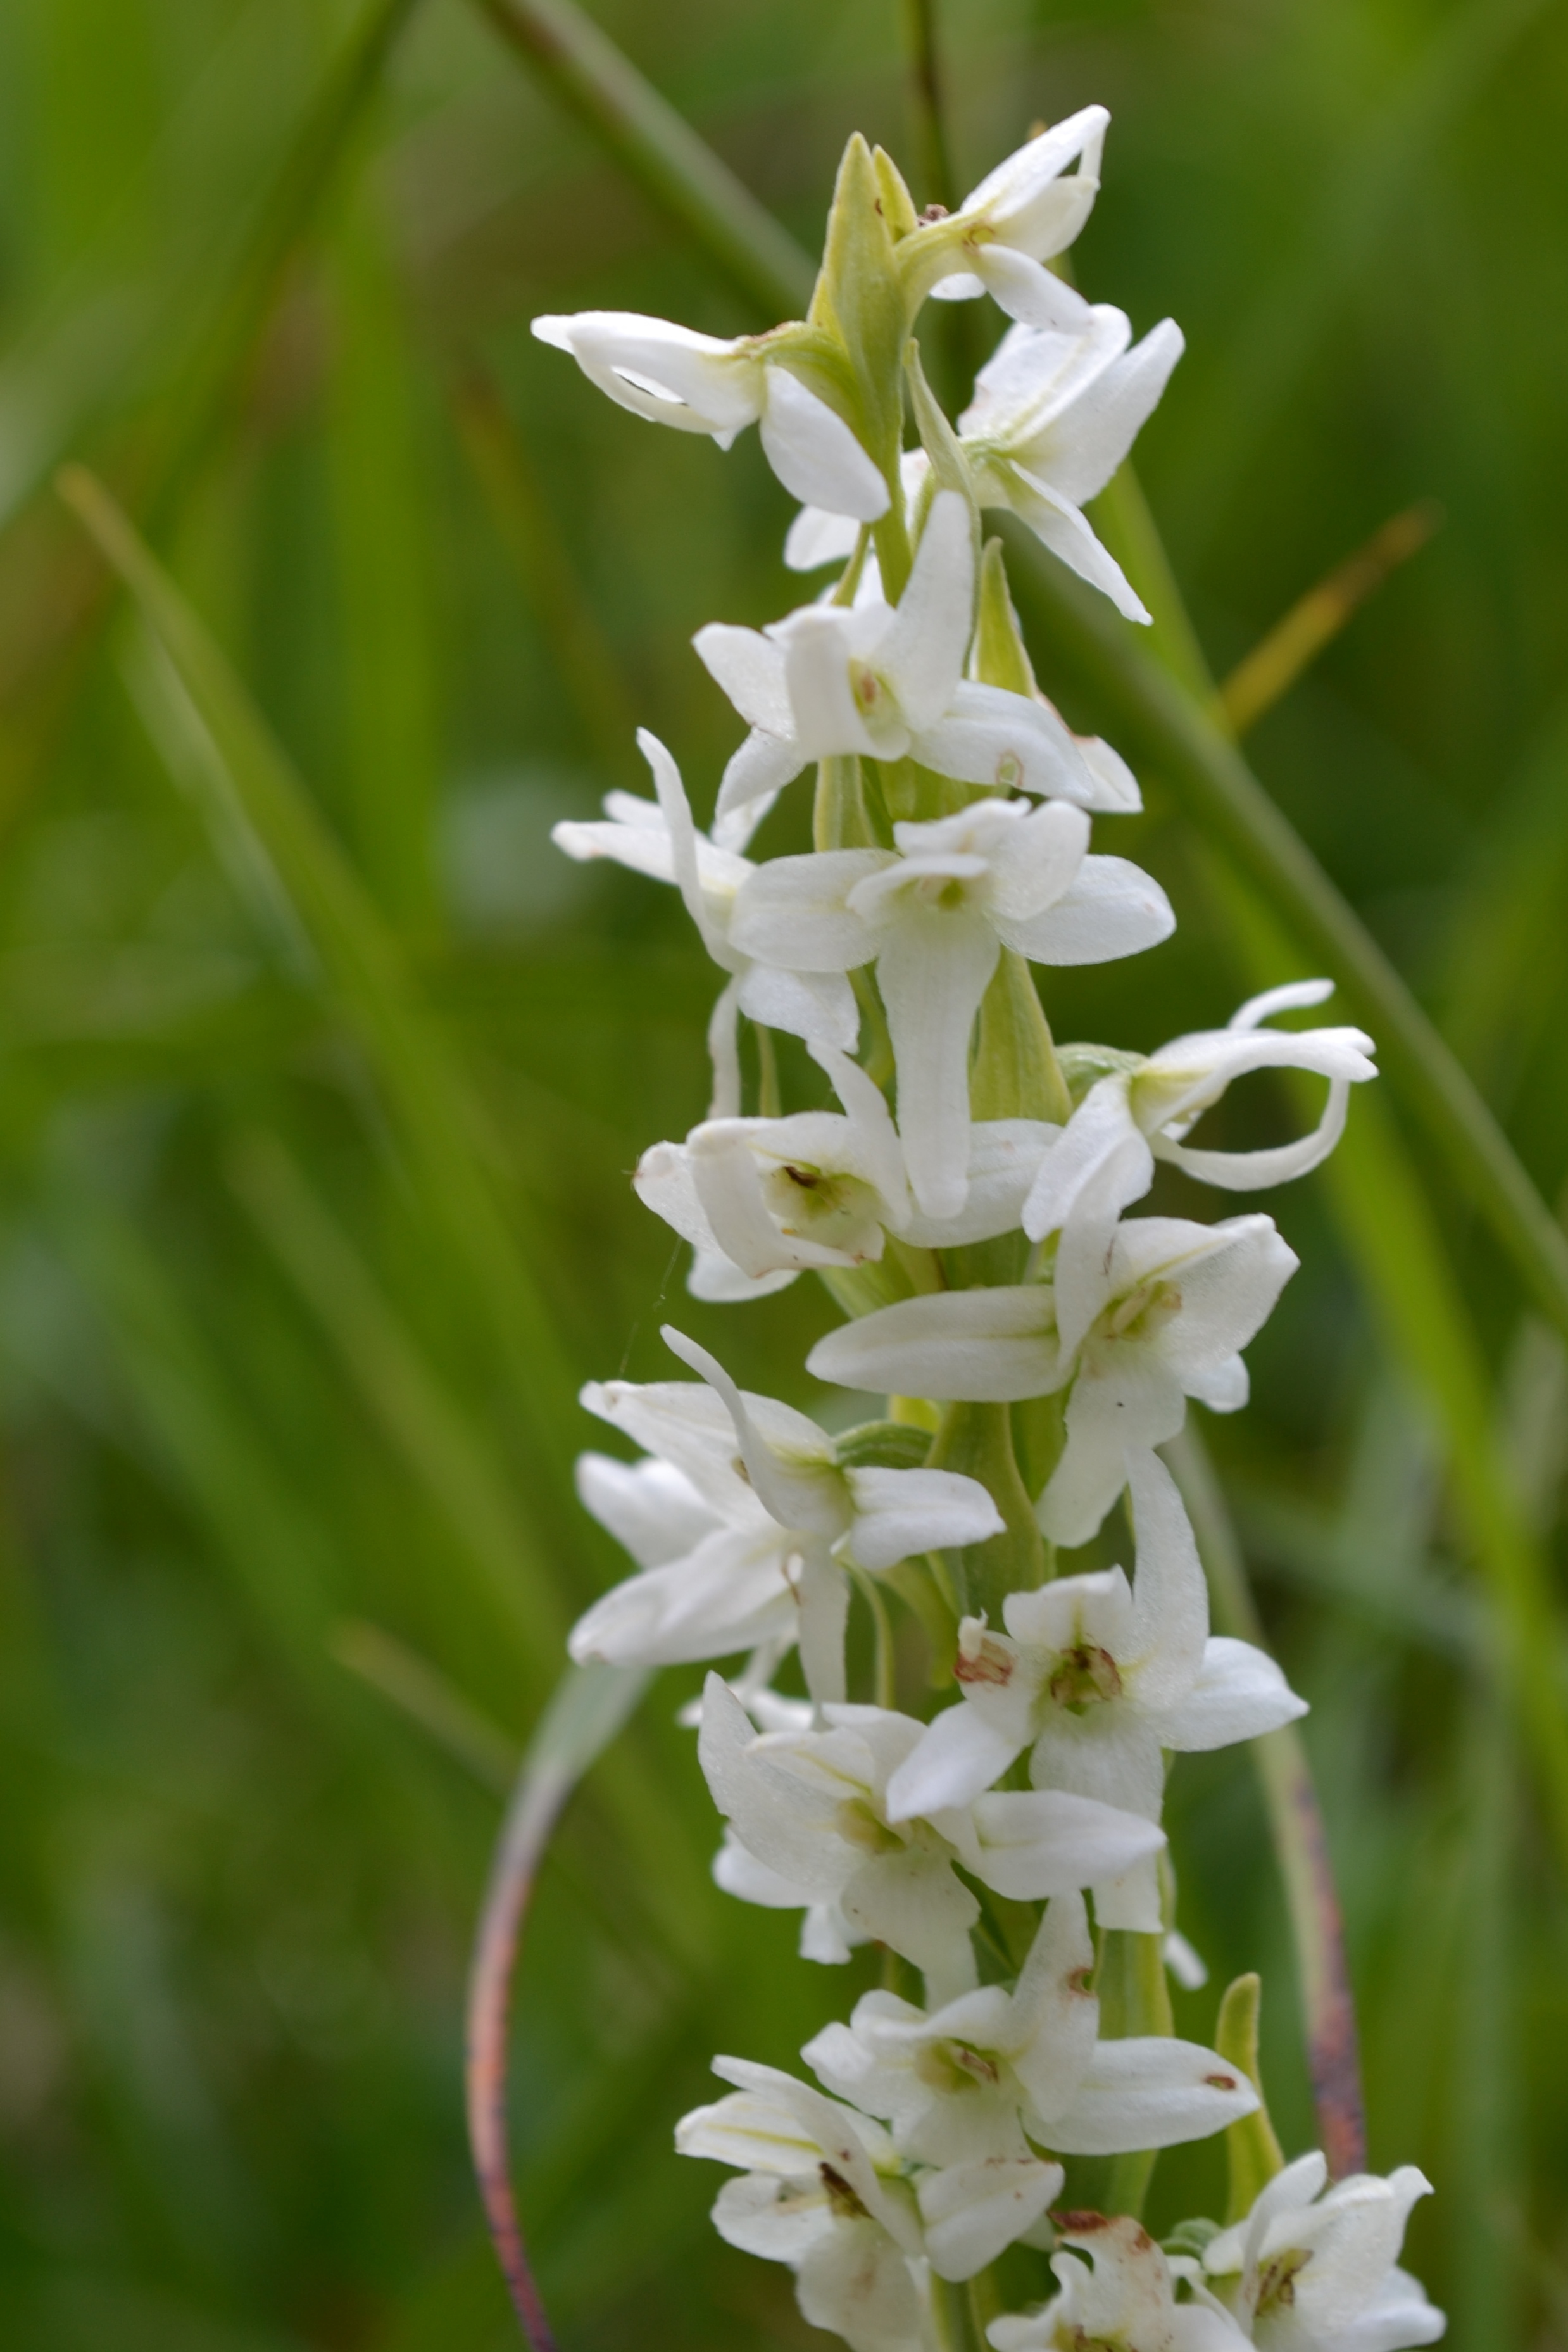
[[790, 1521], [812, 1807], [1053, 415], [933, 915], [820, 2187], [1307, 2271], [965, 2082], [700, 383], [1021, 214], [1160, 1318], [769, 1197], [887, 682], [1097, 1677], [1141, 1113], [660, 839], [1127, 2298]]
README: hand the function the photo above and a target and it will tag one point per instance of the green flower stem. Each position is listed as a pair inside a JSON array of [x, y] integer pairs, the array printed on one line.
[[958, 2321], [675, 168], [977, 1441]]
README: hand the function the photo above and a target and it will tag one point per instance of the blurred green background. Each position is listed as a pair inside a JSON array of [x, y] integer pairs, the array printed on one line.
[[313, 1199]]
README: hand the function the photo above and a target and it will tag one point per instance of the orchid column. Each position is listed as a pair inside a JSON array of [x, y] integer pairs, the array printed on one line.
[[994, 1828]]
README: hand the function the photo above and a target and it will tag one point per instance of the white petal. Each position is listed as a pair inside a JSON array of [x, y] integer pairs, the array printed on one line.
[[792, 912], [1026, 197], [1142, 1405], [1058, 523], [1028, 292], [913, 1903], [650, 1507], [658, 370], [971, 2211], [685, 1423], [901, 1512], [664, 1181], [959, 1757], [1094, 436], [814, 453], [1170, 1592], [1101, 1159], [749, 668], [778, 2220], [857, 2284], [921, 655], [975, 1346], [1150, 2091], [776, 1817], [1240, 1694], [816, 536], [1004, 1155], [817, 1006], [987, 735], [932, 970], [1037, 1843], [726, 1594], [1113, 909], [789, 1459], [1037, 862]]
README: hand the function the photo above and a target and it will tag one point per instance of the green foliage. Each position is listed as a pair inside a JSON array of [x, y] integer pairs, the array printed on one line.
[[319, 1071]]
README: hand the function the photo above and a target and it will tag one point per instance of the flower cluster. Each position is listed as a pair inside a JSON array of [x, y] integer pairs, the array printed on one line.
[[967, 1205]]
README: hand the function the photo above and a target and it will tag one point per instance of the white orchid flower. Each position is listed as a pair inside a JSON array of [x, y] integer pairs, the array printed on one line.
[[820, 2187], [769, 1197], [812, 1807], [965, 2082], [792, 1520], [1162, 1317], [933, 915], [1127, 2298], [1096, 1677], [700, 383], [1053, 415], [1141, 1113], [887, 682], [660, 839], [1021, 214], [1307, 2271]]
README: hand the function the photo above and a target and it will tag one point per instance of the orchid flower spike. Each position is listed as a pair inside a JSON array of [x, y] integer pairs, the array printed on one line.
[[933, 915], [811, 1806], [1127, 2298], [1021, 214], [1096, 1678], [888, 682], [699, 384], [1053, 415], [1307, 2271], [1142, 1111], [821, 2188]]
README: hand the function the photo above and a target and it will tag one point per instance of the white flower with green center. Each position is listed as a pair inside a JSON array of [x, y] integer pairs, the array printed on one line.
[[700, 383], [886, 682], [1162, 1317], [812, 1806], [821, 2188], [1124, 2295], [994, 2076], [1310, 2272], [933, 915], [1021, 214], [789, 1521], [1143, 1112], [1097, 1678], [761, 1199], [1053, 415]]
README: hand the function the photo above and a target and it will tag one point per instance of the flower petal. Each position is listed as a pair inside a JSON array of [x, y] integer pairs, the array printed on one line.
[[921, 655], [1113, 909], [791, 912], [933, 968], [976, 1346], [1240, 1694], [1150, 2091], [814, 453]]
